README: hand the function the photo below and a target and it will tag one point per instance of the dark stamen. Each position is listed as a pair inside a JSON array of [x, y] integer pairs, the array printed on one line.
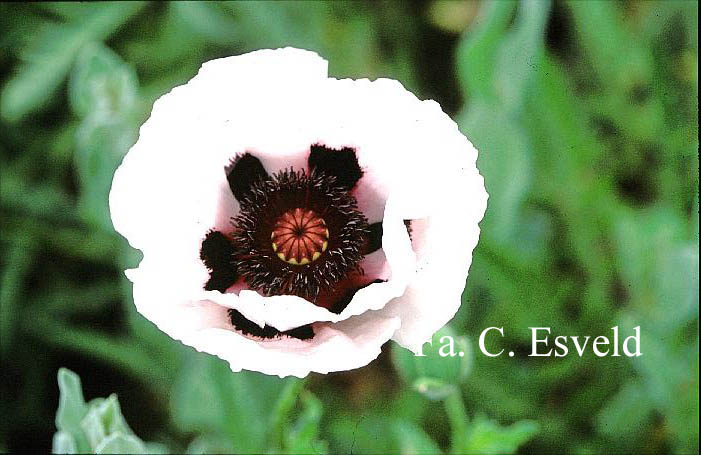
[[341, 163], [244, 172]]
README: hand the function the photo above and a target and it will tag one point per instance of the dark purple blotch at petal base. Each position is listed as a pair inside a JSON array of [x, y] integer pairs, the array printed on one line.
[[242, 324], [243, 172], [340, 163], [216, 253]]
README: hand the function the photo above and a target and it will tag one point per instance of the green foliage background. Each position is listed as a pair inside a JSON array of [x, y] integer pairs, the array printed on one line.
[[586, 117]]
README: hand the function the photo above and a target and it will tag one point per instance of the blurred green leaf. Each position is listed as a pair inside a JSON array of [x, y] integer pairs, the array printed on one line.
[[496, 64], [70, 241], [102, 90], [50, 54], [601, 24], [208, 443], [366, 432], [678, 285], [378, 432], [124, 353], [72, 299], [488, 437], [478, 50], [626, 414], [505, 164], [437, 372], [459, 422], [101, 83], [41, 202], [413, 440], [303, 435], [66, 10], [238, 400], [17, 261], [283, 409], [209, 398], [518, 59], [269, 25], [101, 144], [212, 20]]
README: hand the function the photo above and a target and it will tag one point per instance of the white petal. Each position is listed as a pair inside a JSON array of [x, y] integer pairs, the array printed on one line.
[[443, 242], [429, 168], [401, 260], [204, 325], [335, 347], [160, 300]]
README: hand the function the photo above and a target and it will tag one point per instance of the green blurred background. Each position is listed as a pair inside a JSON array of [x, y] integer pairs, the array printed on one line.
[[586, 117]]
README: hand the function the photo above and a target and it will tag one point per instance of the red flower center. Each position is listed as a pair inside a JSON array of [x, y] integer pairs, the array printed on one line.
[[300, 236]]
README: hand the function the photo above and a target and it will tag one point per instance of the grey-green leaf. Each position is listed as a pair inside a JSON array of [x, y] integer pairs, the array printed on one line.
[[121, 443], [71, 409], [63, 442], [104, 419], [101, 82], [71, 404], [49, 56]]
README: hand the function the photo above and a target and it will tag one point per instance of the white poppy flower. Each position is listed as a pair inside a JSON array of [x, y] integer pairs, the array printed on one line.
[[291, 222]]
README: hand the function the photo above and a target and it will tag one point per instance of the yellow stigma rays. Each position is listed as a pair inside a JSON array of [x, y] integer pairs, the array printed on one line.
[[299, 237]]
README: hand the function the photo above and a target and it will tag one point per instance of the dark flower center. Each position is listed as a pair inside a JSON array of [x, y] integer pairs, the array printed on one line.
[[298, 234], [299, 237]]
